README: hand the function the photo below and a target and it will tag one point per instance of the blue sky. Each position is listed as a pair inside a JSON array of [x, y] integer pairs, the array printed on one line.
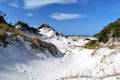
[[71, 17]]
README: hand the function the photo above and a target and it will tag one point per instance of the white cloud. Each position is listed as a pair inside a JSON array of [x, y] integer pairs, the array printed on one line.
[[30, 4], [14, 4], [66, 16], [29, 14]]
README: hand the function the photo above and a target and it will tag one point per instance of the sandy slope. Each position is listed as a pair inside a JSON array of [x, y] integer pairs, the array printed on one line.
[[19, 62], [22, 64]]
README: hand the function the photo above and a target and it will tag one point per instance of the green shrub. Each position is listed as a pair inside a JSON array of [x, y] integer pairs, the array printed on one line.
[[66, 36], [111, 30], [116, 32], [96, 35], [23, 25], [57, 33], [44, 26], [93, 44], [103, 36]]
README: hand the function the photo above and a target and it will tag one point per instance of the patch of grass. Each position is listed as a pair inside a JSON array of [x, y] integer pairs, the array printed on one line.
[[38, 44], [14, 31], [112, 46], [3, 38], [18, 32], [93, 44], [52, 48], [103, 36], [4, 28]]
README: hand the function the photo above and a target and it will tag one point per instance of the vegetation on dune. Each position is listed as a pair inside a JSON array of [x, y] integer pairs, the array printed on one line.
[[36, 42], [116, 32], [93, 44], [24, 27], [111, 30], [50, 28], [7, 28], [3, 38], [52, 48], [104, 36], [44, 26]]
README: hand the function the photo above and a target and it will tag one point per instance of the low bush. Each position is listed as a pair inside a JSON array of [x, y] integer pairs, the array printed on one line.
[[44, 26], [93, 44], [111, 30], [104, 36], [23, 25]]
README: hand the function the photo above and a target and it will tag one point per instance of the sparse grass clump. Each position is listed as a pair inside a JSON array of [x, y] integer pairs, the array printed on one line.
[[14, 31], [4, 29], [52, 48], [93, 44], [3, 34], [18, 32], [112, 46], [38, 44], [3, 38]]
